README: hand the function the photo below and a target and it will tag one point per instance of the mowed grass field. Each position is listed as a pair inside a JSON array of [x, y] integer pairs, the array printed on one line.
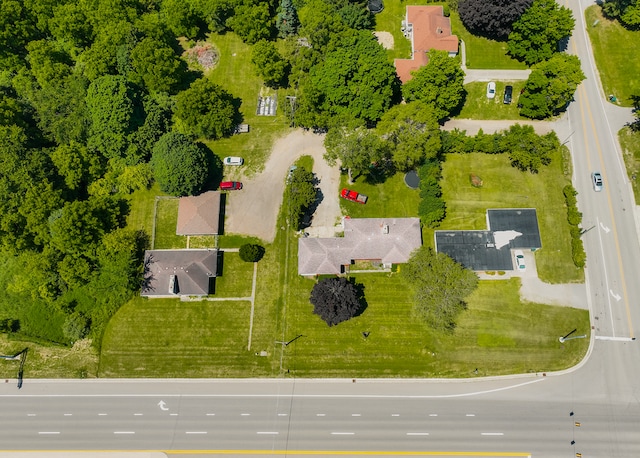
[[478, 106], [616, 51], [630, 142]]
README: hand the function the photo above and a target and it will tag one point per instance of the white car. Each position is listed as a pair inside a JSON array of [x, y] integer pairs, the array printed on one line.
[[491, 90], [596, 178], [520, 260], [233, 160]]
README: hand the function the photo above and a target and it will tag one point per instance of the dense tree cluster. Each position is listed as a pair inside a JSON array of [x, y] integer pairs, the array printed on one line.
[[300, 195], [626, 11], [432, 207], [440, 286], [551, 86], [336, 300], [491, 18], [537, 34]]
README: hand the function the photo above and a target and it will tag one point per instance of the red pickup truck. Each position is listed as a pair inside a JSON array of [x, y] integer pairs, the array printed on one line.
[[353, 196]]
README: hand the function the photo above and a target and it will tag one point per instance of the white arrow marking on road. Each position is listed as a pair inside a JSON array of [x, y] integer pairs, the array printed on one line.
[[163, 405], [604, 228], [615, 296]]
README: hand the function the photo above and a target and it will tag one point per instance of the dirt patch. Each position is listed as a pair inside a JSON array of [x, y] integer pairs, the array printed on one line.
[[385, 39]]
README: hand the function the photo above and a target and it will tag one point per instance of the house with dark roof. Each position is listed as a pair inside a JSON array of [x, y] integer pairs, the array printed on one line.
[[427, 28], [385, 240], [508, 229], [171, 273], [199, 215]]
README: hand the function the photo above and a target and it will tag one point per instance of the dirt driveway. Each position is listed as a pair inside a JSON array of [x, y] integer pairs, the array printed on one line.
[[253, 210]]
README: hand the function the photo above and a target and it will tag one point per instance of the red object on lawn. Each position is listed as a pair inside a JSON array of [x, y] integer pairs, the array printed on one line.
[[353, 196]]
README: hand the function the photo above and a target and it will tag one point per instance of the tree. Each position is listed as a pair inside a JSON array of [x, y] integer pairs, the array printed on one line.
[[156, 66], [356, 16], [206, 110], [336, 300], [268, 63], [626, 11], [440, 83], [413, 131], [180, 166], [432, 207], [76, 165], [355, 80], [17, 28], [252, 21], [114, 110], [250, 252], [551, 86], [215, 13], [528, 150], [491, 18], [180, 17], [287, 21], [356, 149], [537, 34], [300, 195], [440, 286], [69, 24], [48, 63]]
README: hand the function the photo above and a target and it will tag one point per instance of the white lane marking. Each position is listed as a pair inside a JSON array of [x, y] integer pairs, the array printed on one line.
[[48, 432], [138, 414], [417, 434], [356, 415], [268, 432], [606, 280], [282, 396], [338, 433], [102, 414], [31, 415], [195, 432], [211, 415], [245, 414], [395, 414], [320, 415], [492, 434], [433, 414], [282, 414], [471, 415], [616, 339], [124, 432], [68, 414], [173, 414]]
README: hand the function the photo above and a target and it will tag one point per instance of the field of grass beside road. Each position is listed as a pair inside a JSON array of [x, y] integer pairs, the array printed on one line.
[[478, 106], [630, 143], [616, 51], [506, 187]]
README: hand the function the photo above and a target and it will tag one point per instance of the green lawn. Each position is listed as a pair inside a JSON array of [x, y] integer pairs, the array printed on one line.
[[478, 106], [506, 187], [166, 220], [483, 53], [391, 199], [234, 72], [630, 142], [234, 276], [616, 51]]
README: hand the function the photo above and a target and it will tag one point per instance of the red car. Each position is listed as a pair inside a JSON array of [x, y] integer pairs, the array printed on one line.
[[230, 185], [353, 196]]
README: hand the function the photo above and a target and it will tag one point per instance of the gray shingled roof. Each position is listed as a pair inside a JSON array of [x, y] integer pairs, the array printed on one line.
[[364, 239], [193, 270], [199, 215]]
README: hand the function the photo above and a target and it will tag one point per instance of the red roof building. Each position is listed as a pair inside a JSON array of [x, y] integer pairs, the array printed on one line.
[[427, 28]]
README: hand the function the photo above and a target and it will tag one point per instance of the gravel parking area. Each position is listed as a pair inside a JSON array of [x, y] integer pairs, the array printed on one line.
[[254, 210]]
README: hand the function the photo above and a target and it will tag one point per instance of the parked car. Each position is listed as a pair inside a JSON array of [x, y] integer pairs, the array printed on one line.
[[233, 160], [230, 185], [491, 90], [508, 95], [520, 260], [353, 196], [596, 179]]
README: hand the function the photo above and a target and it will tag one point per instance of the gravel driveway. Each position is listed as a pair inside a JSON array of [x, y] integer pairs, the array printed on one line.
[[254, 210]]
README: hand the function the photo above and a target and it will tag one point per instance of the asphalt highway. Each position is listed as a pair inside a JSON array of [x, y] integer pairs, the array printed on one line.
[[592, 410]]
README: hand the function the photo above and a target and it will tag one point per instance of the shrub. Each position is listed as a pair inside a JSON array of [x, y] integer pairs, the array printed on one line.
[[251, 253]]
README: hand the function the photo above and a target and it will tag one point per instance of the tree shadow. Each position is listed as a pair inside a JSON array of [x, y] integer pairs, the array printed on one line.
[[359, 287]]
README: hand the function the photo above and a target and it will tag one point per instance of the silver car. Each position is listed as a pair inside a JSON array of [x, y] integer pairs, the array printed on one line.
[[596, 179]]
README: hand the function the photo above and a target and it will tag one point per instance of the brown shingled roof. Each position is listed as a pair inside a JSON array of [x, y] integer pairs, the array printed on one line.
[[431, 30], [199, 215]]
